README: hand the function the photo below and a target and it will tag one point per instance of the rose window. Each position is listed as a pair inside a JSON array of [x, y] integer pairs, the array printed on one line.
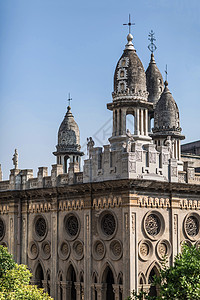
[[152, 225], [71, 225], [192, 226], [108, 224], [40, 227]]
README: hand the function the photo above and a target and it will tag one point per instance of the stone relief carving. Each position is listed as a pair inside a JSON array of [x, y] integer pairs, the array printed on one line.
[[116, 249], [145, 249], [153, 202], [163, 248], [98, 250], [33, 250], [64, 250], [78, 250], [46, 250]]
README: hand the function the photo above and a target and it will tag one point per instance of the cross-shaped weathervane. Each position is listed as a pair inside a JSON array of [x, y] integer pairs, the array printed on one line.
[[69, 99], [152, 47], [129, 23]]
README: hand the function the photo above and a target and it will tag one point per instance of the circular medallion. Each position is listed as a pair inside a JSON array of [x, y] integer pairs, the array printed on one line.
[[46, 249], [33, 250], [78, 250], [145, 249], [163, 248], [116, 249], [98, 250], [191, 226], [72, 225], [153, 225], [2, 229], [185, 242], [40, 227], [64, 250]]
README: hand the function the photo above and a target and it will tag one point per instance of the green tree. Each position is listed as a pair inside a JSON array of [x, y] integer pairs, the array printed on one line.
[[180, 281], [14, 280]]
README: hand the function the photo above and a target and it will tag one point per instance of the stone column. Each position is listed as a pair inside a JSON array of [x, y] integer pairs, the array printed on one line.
[[137, 122], [44, 284], [116, 291], [66, 288], [141, 122], [93, 291], [123, 121], [121, 290], [78, 290], [101, 290], [146, 122]]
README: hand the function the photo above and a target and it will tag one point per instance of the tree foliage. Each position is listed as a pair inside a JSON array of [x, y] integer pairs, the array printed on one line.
[[14, 280], [180, 281]]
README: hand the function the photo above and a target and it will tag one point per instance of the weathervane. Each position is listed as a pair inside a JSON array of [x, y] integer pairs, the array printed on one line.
[[129, 23], [69, 99], [152, 47], [166, 73]]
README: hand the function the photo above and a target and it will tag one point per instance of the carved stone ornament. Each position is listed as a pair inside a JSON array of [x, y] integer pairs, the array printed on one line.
[[163, 248], [78, 250], [145, 249], [40, 227], [2, 229], [98, 250], [72, 225], [108, 224], [116, 249], [33, 250], [64, 250], [152, 225], [46, 249]]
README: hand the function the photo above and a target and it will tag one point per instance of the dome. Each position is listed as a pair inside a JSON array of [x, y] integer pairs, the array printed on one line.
[[68, 134], [154, 80], [130, 77], [166, 115]]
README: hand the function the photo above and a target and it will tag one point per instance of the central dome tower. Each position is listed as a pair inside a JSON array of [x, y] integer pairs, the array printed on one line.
[[130, 97]]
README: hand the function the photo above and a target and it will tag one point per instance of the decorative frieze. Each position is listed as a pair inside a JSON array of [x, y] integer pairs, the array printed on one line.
[[71, 205], [146, 201], [106, 202], [189, 204], [4, 209], [38, 208]]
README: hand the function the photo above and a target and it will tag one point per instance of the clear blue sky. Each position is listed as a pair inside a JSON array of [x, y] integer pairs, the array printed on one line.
[[51, 47]]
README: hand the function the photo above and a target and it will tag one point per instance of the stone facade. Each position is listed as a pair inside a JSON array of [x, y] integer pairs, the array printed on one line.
[[103, 232]]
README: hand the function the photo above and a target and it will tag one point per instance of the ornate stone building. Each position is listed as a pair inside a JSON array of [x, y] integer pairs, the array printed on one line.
[[102, 232]]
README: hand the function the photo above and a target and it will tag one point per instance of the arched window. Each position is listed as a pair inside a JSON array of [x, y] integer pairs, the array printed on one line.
[[71, 277], [153, 290], [108, 278], [130, 122], [39, 276]]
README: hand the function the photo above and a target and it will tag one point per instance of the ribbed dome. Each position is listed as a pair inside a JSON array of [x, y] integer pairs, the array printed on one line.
[[68, 134], [154, 80], [130, 75], [166, 115]]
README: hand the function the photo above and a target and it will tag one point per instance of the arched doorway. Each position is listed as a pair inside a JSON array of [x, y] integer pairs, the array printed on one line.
[[71, 277], [108, 278], [152, 290], [39, 276]]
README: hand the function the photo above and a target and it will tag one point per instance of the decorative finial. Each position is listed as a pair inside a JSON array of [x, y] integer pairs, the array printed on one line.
[[166, 74], [15, 159], [152, 47], [129, 24], [69, 99]]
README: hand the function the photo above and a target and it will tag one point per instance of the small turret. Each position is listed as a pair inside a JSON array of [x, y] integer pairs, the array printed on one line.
[[68, 147]]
